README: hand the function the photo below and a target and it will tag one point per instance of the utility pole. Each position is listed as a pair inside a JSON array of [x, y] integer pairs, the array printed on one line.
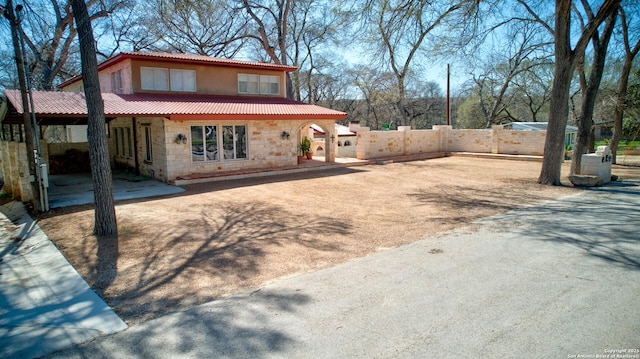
[[29, 129], [448, 97]]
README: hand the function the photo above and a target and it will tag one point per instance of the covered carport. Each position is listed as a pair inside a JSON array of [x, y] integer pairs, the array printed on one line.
[[69, 175]]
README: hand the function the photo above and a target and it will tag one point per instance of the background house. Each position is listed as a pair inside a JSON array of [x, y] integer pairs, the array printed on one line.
[[175, 116], [570, 133], [346, 140]]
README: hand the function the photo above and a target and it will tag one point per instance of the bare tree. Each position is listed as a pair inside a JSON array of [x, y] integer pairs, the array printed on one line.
[[399, 28], [533, 89], [630, 52], [105, 214], [50, 37], [590, 86], [271, 21], [206, 27], [566, 58], [313, 23], [523, 53]]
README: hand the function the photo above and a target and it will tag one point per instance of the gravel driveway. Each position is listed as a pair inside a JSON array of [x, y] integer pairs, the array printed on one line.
[[215, 240]]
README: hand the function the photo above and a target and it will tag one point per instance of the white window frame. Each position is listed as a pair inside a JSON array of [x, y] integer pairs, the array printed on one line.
[[205, 153], [122, 141], [234, 150], [248, 84], [148, 144], [116, 82], [182, 80], [158, 75], [266, 82], [221, 155]]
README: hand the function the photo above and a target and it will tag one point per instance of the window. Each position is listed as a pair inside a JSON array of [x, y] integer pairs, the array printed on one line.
[[248, 83], [122, 140], [160, 79], [183, 80], [116, 82], [116, 139], [347, 143], [234, 142], [148, 153], [269, 85], [205, 144], [258, 84], [129, 145], [153, 78]]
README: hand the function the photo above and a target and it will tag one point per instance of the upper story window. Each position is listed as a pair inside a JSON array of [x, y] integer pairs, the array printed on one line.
[[248, 83], [116, 82], [183, 80], [258, 84], [162, 79], [269, 85], [154, 78]]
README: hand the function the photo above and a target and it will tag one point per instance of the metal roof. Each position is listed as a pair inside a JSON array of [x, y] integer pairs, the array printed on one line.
[[534, 126], [67, 107], [184, 59]]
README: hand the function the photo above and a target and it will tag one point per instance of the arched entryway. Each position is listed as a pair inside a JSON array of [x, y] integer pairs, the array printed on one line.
[[324, 145]]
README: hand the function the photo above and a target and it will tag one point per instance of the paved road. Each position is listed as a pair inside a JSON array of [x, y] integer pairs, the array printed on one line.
[[553, 281]]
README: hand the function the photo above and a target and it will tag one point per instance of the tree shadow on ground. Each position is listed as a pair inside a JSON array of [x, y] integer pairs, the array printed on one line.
[[463, 198], [237, 327], [219, 244], [603, 223]]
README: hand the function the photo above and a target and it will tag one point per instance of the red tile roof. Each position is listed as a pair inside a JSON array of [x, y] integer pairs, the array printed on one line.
[[340, 129], [175, 106], [184, 59]]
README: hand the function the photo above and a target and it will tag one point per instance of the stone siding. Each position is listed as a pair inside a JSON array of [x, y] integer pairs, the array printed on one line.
[[266, 147]]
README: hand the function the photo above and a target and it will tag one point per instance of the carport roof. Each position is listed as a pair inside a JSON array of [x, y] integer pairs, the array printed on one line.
[[68, 108]]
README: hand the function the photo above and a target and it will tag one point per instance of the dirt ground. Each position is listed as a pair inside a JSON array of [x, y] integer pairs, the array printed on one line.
[[222, 238]]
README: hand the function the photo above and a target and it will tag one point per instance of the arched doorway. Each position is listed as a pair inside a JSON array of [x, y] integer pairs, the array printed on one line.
[[322, 136]]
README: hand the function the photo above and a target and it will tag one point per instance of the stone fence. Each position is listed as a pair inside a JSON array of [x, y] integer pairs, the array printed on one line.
[[405, 141]]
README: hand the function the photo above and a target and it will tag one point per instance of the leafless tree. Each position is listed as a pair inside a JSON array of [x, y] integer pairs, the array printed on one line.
[[630, 27], [566, 58], [206, 27], [50, 35], [398, 28], [105, 215], [521, 54], [590, 86]]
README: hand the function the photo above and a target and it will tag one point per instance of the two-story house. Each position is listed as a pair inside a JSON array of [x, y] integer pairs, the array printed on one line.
[[180, 116]]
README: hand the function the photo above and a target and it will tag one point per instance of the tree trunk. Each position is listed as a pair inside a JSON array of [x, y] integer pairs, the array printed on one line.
[[630, 54], [559, 103], [565, 61], [29, 131], [585, 120], [105, 215], [618, 113]]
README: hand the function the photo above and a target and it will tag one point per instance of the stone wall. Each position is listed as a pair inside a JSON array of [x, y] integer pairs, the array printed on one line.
[[16, 170], [404, 141]]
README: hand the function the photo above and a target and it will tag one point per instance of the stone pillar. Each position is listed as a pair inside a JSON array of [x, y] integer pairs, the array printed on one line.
[[443, 135], [330, 145], [406, 138], [496, 132], [363, 145]]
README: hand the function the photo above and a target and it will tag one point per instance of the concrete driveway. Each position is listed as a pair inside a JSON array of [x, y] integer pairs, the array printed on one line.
[[558, 280], [76, 189]]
